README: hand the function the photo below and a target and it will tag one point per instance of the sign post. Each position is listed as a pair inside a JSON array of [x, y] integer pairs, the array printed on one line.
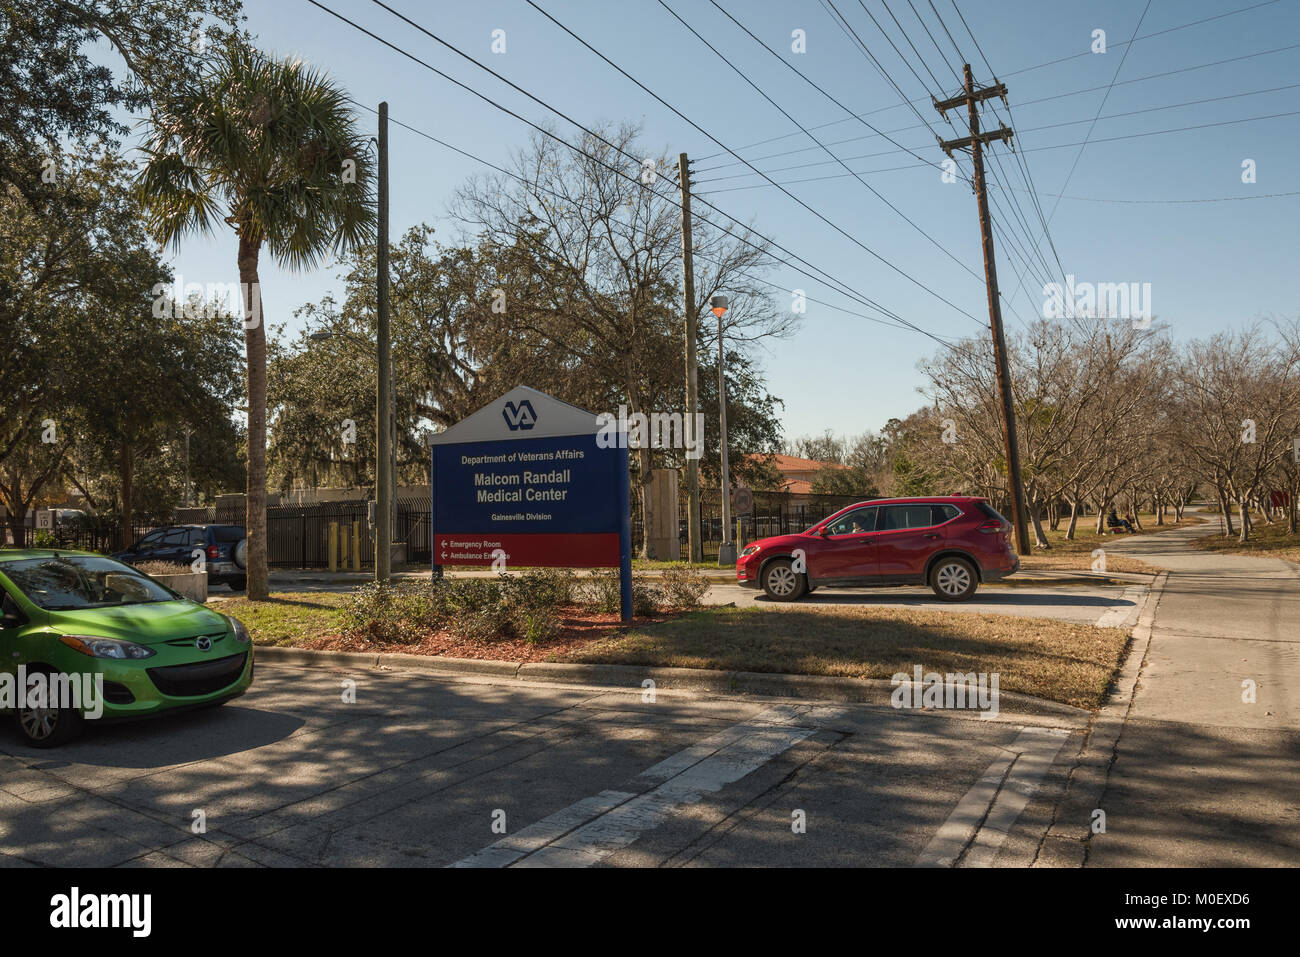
[[528, 480]]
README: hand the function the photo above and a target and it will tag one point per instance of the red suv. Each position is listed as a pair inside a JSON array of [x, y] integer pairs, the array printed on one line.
[[950, 543]]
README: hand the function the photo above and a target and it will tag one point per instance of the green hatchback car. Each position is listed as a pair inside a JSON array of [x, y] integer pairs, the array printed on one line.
[[84, 637]]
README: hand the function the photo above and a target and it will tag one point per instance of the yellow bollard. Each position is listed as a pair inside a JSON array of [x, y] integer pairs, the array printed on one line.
[[334, 546], [356, 545]]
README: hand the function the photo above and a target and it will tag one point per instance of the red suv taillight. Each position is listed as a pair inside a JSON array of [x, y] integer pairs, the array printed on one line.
[[988, 528], [213, 552]]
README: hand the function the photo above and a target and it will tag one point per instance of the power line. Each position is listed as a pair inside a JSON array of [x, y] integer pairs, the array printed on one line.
[[834, 283], [1162, 202], [1030, 149], [824, 93], [630, 232], [705, 132], [1072, 56], [1031, 129]]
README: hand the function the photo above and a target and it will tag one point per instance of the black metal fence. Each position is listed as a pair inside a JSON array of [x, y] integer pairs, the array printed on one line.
[[774, 513], [298, 536]]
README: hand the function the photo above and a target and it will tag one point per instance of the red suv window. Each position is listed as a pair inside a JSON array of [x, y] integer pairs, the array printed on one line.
[[906, 516]]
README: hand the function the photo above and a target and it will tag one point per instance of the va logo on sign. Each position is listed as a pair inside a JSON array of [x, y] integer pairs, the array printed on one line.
[[519, 416]]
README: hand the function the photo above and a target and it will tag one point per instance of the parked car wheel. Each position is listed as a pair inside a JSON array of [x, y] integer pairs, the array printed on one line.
[[240, 554], [953, 579], [782, 583], [49, 727]]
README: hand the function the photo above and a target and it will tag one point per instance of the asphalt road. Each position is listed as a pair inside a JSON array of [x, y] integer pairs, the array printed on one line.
[[426, 770], [420, 770]]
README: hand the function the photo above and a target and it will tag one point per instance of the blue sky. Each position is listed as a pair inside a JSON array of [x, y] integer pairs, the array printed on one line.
[[1211, 265]]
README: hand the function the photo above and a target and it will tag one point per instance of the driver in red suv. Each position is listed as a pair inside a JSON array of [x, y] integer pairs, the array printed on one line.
[[951, 543]]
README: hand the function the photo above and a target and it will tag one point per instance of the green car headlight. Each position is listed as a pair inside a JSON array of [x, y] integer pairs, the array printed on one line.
[[106, 647], [237, 627]]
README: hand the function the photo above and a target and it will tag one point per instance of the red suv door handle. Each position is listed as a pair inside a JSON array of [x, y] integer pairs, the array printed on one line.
[[933, 535]]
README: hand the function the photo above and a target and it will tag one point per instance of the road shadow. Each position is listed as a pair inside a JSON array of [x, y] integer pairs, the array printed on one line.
[[160, 741]]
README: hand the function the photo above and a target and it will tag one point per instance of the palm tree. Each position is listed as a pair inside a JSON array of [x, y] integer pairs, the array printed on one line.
[[271, 148]]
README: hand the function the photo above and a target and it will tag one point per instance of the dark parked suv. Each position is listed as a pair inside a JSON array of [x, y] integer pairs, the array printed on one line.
[[950, 543], [223, 549]]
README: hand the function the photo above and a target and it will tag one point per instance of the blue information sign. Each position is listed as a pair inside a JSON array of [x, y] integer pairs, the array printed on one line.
[[529, 480]]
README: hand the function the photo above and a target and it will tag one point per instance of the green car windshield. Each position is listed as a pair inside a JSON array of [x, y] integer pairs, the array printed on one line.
[[68, 582]]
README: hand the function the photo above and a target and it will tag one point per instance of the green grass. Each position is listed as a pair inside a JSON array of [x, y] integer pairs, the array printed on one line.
[[1069, 663], [287, 618]]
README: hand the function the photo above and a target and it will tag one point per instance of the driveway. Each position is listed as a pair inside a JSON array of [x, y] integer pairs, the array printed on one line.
[[1106, 605]]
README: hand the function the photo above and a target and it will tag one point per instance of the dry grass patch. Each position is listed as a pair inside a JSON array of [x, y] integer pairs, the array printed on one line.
[[1266, 541], [1069, 663]]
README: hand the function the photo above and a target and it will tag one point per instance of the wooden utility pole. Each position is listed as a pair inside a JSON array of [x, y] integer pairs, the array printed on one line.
[[383, 391], [971, 99], [694, 545]]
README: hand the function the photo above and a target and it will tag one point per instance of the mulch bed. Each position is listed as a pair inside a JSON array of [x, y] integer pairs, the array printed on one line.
[[579, 627]]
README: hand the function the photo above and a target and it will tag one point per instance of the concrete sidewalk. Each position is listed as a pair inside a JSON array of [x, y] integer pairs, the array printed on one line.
[[1206, 770]]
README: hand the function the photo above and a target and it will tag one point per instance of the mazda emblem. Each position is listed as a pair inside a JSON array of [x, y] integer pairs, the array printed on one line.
[[203, 643]]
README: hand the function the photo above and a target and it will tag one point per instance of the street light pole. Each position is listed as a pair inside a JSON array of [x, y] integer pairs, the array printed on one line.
[[727, 547], [383, 391]]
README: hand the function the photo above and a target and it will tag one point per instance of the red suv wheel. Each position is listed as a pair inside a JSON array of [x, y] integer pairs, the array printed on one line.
[[782, 582]]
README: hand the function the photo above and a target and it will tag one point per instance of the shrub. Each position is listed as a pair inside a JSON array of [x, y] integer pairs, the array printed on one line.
[[536, 624], [162, 568], [374, 612], [603, 591], [683, 587], [547, 588], [647, 598]]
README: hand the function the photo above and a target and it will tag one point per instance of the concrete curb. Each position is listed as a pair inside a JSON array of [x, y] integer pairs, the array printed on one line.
[[1066, 841], [870, 691]]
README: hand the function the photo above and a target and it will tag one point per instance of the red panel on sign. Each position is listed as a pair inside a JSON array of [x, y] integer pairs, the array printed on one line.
[[591, 550]]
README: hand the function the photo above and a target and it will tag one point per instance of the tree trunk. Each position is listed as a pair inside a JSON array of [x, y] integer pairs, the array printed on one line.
[[1036, 513], [16, 509], [1228, 530], [1102, 508], [1074, 520], [126, 474], [1244, 515], [255, 347]]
